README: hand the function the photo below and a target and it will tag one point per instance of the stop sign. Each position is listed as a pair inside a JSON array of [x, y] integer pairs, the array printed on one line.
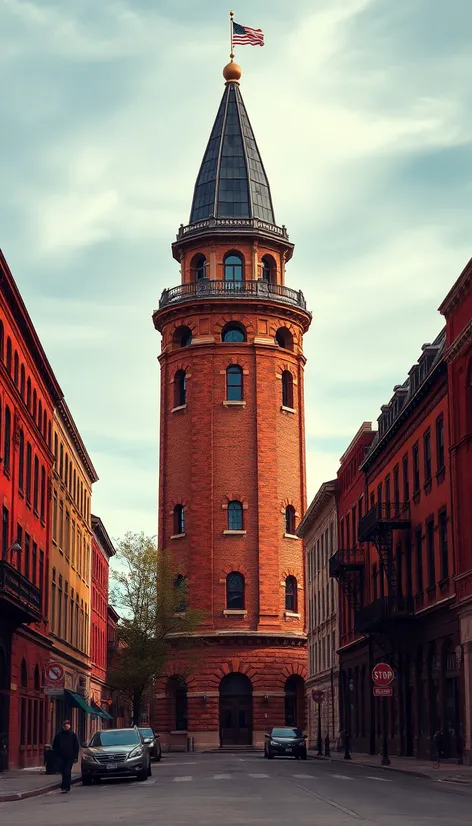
[[318, 695], [382, 674]]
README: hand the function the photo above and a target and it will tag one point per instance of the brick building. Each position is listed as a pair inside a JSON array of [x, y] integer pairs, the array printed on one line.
[[232, 460], [28, 391], [397, 571], [100, 692], [319, 529], [457, 309]]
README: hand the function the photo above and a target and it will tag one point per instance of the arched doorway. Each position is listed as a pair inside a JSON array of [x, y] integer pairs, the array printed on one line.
[[4, 707], [235, 710], [295, 702]]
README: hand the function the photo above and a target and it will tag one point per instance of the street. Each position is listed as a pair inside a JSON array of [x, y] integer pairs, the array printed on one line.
[[210, 789]]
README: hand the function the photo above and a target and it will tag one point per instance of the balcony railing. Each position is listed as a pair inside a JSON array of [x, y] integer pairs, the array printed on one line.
[[344, 560], [18, 597], [238, 224], [383, 516], [377, 614], [209, 288]]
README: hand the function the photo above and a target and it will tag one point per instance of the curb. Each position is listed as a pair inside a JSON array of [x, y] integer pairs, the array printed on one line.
[[411, 772], [10, 798]]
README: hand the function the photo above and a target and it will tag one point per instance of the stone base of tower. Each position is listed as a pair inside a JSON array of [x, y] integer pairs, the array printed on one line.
[[221, 695]]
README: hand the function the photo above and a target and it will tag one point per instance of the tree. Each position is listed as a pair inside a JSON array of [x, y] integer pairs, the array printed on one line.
[[152, 598]]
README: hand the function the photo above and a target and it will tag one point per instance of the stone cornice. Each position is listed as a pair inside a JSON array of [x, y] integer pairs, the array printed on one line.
[[458, 292], [454, 350]]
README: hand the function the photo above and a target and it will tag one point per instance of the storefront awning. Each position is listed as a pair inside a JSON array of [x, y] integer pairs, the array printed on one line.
[[77, 701], [101, 712]]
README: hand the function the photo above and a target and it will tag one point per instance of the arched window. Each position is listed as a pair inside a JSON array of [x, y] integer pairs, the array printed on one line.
[[291, 594], [37, 679], [268, 268], [233, 333], [235, 516], [177, 689], [233, 264], [235, 591], [290, 519], [182, 336], [40, 414], [45, 425], [179, 519], [22, 381], [16, 368], [2, 340], [287, 389], [180, 388], [7, 440], [234, 383], [66, 475], [181, 601], [198, 267], [28, 394], [284, 338], [35, 405], [23, 674]]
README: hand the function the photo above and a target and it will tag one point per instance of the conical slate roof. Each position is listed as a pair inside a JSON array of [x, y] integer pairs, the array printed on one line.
[[232, 182]]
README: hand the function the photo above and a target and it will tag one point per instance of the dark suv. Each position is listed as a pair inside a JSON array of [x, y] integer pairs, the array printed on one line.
[[116, 752], [282, 741]]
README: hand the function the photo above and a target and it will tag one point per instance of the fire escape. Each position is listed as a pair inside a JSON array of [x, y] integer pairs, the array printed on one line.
[[347, 567], [387, 614]]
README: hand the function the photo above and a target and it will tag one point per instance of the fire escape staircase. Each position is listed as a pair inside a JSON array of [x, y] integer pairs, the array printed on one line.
[[347, 567]]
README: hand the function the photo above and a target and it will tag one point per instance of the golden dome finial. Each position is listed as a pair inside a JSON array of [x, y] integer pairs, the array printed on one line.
[[232, 72]]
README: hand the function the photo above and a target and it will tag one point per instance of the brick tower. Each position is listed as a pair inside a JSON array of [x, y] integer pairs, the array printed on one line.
[[232, 450]]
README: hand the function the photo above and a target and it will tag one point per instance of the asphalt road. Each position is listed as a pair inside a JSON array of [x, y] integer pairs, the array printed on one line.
[[215, 789]]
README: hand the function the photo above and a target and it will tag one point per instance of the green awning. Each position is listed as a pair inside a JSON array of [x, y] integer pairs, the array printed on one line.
[[77, 701], [101, 712]]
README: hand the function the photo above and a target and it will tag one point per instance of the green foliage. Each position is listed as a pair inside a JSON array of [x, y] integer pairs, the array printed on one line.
[[152, 601]]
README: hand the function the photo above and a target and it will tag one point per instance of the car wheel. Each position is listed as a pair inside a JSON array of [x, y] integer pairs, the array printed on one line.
[[270, 756], [86, 780], [158, 756], [303, 755], [149, 769], [142, 775], [297, 757]]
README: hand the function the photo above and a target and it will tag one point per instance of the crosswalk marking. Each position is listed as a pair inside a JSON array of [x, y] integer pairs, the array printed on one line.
[[221, 777], [304, 776], [183, 777], [382, 779], [258, 775], [341, 777]]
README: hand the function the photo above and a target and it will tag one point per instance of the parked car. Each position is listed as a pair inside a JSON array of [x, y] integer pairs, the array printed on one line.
[[115, 752], [282, 741], [152, 742]]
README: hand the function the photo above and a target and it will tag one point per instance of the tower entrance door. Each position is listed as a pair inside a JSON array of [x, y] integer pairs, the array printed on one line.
[[235, 711]]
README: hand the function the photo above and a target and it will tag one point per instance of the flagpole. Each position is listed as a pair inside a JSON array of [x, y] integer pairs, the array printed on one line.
[[231, 53]]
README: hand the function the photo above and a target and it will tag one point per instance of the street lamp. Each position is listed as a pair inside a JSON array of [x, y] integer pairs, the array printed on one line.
[[15, 548]]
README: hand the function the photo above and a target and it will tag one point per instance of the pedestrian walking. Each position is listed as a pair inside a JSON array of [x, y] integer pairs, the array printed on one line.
[[438, 740], [66, 747]]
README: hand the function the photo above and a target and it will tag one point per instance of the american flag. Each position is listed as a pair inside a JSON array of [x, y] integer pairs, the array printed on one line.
[[244, 36]]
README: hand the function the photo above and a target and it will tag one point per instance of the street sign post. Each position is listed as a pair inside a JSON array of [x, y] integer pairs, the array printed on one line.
[[54, 676], [382, 677], [318, 697]]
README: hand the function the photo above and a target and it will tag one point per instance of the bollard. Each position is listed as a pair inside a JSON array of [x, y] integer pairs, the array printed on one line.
[[327, 751]]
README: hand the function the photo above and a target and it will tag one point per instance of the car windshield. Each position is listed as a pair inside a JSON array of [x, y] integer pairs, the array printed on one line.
[[287, 732], [147, 732], [120, 737]]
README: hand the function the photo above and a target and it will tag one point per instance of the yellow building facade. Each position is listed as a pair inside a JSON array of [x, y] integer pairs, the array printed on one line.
[[70, 575]]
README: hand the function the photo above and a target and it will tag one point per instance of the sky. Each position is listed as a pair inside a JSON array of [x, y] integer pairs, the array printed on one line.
[[362, 110]]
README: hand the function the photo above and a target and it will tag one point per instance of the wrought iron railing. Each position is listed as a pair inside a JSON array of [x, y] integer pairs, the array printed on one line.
[[209, 288], [248, 224], [387, 514], [382, 609], [15, 586], [345, 558]]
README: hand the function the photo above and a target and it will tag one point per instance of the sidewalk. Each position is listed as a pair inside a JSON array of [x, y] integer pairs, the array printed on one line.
[[449, 772], [20, 784]]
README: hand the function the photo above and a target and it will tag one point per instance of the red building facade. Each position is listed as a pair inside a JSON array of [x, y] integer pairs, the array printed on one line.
[[232, 464], [28, 392], [457, 309], [102, 552], [400, 554]]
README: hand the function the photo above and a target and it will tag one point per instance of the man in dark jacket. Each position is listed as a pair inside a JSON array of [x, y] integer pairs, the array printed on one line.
[[66, 747]]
